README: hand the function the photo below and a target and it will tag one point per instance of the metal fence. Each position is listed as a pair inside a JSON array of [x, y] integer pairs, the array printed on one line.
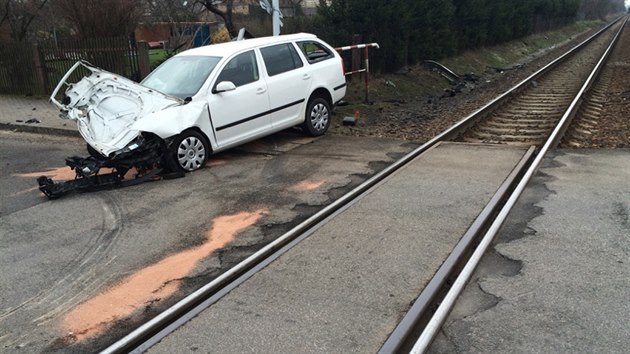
[[37, 68], [16, 69]]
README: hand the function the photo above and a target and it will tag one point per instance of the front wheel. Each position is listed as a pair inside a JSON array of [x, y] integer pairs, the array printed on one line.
[[317, 119], [188, 152]]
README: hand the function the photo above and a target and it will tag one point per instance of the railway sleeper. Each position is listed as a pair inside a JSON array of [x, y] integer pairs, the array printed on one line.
[[587, 120], [545, 95], [509, 137], [520, 119], [515, 125], [523, 120], [541, 102], [534, 112], [592, 110], [521, 132]]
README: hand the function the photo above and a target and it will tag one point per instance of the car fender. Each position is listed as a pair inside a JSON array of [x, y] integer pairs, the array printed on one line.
[[173, 120]]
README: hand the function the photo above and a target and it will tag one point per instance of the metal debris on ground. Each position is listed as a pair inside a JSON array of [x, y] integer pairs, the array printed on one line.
[[349, 120], [146, 160], [459, 82]]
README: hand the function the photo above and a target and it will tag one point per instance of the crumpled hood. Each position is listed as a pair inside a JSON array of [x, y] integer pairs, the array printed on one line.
[[106, 105]]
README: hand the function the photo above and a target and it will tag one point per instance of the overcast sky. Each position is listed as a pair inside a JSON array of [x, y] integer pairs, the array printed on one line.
[[627, 3]]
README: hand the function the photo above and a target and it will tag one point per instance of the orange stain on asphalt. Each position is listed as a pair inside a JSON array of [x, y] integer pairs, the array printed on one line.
[[155, 282], [213, 163], [57, 173], [306, 186], [66, 173]]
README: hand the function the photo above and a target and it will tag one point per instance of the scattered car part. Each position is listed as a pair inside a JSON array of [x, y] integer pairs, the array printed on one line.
[[350, 120], [145, 158]]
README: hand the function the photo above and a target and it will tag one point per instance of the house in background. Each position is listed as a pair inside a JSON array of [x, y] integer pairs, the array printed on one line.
[[172, 35]]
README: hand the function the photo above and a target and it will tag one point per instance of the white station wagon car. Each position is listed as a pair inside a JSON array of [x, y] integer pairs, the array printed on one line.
[[208, 99]]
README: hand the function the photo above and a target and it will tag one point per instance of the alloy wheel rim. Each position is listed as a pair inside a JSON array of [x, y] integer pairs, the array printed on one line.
[[191, 153], [319, 116]]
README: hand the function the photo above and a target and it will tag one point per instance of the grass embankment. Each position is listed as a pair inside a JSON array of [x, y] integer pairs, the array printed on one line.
[[419, 83]]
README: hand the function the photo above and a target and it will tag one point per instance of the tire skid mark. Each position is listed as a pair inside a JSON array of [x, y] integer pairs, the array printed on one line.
[[80, 276]]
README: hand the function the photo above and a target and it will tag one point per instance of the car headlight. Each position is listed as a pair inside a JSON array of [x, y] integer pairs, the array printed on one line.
[[134, 144]]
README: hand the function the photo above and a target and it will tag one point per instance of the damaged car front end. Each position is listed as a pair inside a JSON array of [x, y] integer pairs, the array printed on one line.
[[109, 110]]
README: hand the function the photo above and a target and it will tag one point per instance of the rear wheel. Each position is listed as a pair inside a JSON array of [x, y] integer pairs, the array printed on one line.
[[189, 151], [317, 119]]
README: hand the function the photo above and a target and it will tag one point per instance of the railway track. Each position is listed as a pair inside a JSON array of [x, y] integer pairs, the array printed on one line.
[[535, 112], [531, 112], [601, 120]]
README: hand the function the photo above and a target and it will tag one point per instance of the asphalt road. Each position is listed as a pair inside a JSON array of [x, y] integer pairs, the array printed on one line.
[[21, 155], [80, 271], [558, 279]]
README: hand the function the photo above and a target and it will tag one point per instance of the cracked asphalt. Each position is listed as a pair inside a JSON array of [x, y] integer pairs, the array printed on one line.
[[558, 280], [63, 255]]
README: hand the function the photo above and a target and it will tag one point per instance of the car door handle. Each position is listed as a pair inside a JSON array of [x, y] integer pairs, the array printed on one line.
[[306, 77], [260, 90]]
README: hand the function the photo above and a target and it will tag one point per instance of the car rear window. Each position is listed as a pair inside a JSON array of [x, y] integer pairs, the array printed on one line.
[[315, 51], [280, 58]]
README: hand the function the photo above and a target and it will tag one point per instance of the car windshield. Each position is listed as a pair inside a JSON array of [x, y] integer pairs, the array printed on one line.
[[181, 76]]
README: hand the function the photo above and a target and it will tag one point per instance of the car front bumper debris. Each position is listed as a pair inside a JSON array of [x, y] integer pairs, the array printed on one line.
[[141, 164]]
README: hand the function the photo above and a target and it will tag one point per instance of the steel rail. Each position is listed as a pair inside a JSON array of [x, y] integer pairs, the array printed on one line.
[[422, 304], [162, 324], [431, 291], [436, 321], [419, 309]]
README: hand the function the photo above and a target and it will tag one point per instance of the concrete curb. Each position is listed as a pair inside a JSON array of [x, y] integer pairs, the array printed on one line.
[[39, 129]]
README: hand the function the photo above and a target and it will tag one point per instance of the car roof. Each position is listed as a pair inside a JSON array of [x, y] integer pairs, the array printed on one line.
[[227, 48]]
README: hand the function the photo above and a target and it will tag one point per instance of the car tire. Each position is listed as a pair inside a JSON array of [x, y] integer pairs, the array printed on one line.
[[188, 152], [317, 117]]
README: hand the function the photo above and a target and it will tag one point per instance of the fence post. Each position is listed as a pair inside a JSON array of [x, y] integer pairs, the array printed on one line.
[[40, 71], [143, 59], [367, 73], [356, 54], [366, 63]]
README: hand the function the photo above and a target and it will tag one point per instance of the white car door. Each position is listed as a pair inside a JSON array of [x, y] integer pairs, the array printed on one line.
[[242, 112], [288, 82]]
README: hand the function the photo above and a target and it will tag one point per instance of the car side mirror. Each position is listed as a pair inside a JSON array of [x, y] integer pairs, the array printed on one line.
[[224, 86]]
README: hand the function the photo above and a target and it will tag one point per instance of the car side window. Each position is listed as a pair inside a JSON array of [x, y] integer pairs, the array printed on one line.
[[240, 70], [314, 51], [280, 58]]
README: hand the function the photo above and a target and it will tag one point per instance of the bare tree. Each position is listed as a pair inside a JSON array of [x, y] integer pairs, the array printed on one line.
[[4, 11], [20, 14], [101, 18], [294, 6], [223, 9], [172, 11]]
